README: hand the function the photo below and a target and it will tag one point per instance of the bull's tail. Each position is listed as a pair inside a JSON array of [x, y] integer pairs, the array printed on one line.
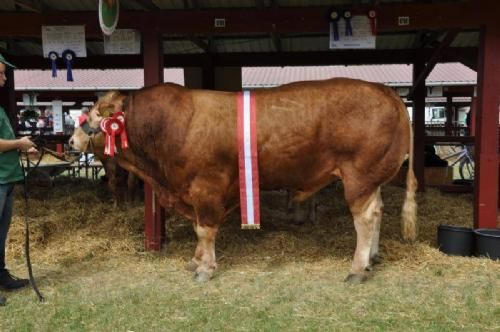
[[409, 213]]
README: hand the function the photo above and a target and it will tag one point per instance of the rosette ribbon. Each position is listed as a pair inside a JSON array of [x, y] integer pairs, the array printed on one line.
[[348, 26], [53, 58], [68, 56], [334, 20], [120, 116], [111, 127], [372, 15]]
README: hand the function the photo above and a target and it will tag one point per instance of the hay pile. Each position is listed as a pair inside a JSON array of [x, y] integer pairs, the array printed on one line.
[[75, 221]]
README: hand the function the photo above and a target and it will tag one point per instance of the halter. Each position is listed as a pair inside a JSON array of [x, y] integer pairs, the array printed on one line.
[[88, 130], [111, 126]]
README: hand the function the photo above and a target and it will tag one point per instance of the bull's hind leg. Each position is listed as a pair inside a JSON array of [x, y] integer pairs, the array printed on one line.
[[364, 209], [377, 216]]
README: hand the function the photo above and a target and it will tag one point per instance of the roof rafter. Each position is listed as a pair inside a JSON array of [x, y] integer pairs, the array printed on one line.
[[253, 20], [30, 5], [147, 5], [448, 39], [344, 57]]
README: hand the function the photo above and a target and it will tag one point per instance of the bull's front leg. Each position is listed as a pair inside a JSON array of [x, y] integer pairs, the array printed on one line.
[[204, 262], [206, 195]]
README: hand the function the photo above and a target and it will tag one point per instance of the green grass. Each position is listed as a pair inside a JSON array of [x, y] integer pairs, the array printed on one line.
[[155, 294]]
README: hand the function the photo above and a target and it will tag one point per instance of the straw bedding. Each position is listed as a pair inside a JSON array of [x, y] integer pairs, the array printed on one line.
[[75, 221]]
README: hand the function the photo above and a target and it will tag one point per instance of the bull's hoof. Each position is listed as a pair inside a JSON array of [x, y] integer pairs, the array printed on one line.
[[375, 259], [202, 276], [356, 278], [191, 266]]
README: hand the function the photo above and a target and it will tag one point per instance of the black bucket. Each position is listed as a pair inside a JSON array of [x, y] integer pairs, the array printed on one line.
[[487, 242], [454, 240]]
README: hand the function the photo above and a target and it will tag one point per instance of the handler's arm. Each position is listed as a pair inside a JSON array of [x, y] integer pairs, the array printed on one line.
[[23, 144]]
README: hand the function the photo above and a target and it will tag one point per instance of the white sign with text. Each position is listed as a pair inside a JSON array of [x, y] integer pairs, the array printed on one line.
[[362, 36], [58, 38]]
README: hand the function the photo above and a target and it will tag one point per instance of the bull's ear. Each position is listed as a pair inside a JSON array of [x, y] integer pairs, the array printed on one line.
[[106, 109]]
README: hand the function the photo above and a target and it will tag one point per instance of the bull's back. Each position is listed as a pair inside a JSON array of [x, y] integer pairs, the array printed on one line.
[[306, 130]]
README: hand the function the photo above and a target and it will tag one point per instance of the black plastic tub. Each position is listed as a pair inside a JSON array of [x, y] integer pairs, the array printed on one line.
[[454, 240], [487, 243]]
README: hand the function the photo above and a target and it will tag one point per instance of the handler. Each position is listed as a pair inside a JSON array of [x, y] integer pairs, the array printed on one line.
[[10, 173]]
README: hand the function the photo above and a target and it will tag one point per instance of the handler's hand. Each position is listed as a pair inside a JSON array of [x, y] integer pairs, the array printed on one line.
[[33, 150], [24, 143]]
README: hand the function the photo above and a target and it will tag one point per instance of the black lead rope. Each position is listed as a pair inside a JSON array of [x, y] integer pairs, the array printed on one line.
[[26, 173]]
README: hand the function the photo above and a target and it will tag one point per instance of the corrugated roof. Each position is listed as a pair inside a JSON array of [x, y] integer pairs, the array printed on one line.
[[394, 75], [255, 77], [89, 79]]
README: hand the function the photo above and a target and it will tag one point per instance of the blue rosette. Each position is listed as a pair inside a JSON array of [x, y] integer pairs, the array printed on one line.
[[53, 59], [69, 56], [334, 20], [348, 26]]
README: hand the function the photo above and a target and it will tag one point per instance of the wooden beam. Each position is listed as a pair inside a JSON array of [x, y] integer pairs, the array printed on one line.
[[486, 148], [147, 5], [200, 43], [448, 139], [459, 91], [424, 38], [260, 4], [253, 20], [419, 123], [275, 37], [194, 4], [341, 57], [429, 66], [153, 74], [30, 5]]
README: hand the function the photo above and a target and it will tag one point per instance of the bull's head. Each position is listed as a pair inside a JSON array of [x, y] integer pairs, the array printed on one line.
[[88, 136]]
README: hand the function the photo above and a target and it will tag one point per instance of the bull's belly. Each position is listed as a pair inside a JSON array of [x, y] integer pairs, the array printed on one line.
[[297, 179]]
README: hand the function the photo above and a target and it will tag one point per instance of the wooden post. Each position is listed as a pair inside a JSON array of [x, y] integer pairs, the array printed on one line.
[[419, 122], [488, 99], [153, 74], [208, 73], [448, 127]]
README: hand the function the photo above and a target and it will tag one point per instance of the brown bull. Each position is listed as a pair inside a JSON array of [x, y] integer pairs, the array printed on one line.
[[183, 142]]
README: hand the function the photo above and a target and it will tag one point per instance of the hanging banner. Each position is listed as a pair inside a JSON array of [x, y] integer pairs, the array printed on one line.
[[59, 38], [123, 41], [353, 33], [57, 116], [248, 160]]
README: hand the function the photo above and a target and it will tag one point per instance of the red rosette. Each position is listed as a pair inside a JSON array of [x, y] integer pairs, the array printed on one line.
[[372, 15], [112, 127], [107, 138], [120, 116]]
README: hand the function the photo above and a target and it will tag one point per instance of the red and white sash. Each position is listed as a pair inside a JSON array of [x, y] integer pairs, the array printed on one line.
[[248, 165]]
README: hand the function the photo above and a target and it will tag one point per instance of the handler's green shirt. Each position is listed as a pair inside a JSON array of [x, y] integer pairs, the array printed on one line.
[[10, 169]]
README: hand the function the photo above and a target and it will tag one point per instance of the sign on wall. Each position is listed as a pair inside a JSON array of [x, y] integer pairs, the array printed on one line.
[[359, 36], [123, 41], [59, 38]]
